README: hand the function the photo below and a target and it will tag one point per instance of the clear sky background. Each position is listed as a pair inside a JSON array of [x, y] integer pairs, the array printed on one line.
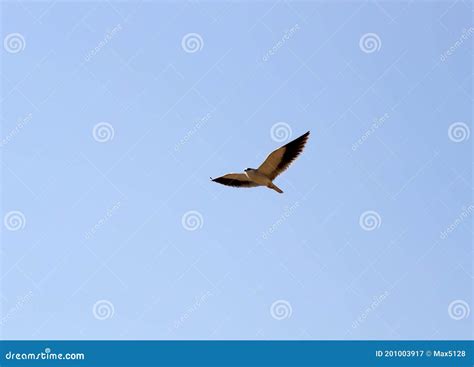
[[114, 117]]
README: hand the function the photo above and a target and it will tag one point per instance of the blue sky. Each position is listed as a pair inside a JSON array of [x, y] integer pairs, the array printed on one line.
[[115, 114]]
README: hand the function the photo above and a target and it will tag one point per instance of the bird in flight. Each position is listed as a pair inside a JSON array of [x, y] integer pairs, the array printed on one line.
[[276, 163]]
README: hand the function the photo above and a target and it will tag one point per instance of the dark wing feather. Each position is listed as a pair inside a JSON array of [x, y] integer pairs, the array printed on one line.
[[235, 180], [279, 160]]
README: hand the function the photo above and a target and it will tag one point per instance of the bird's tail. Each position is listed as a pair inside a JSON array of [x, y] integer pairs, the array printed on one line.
[[275, 187]]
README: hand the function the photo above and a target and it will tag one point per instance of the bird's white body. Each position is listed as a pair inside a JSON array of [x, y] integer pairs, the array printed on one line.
[[260, 179]]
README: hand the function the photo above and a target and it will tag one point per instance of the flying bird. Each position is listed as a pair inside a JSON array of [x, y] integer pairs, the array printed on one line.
[[277, 162]]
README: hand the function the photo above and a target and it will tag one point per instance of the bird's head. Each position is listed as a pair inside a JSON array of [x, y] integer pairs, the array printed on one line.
[[248, 169]]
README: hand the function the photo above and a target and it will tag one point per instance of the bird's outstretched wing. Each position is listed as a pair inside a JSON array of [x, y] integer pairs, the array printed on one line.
[[236, 180], [279, 160]]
